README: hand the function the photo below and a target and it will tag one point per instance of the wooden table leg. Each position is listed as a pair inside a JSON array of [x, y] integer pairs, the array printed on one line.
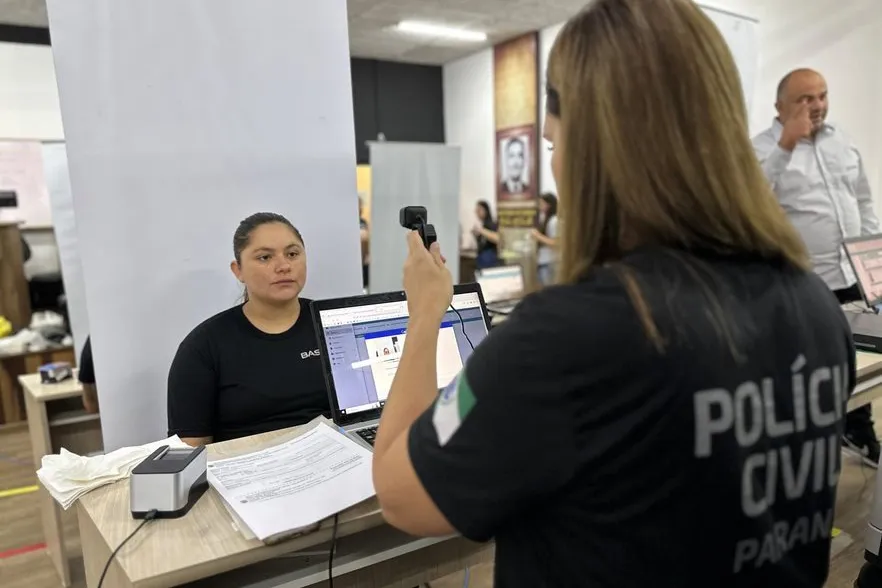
[[9, 402], [95, 555], [50, 512]]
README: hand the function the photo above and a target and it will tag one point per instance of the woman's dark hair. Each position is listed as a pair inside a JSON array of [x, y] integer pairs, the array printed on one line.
[[488, 218], [551, 200], [243, 232]]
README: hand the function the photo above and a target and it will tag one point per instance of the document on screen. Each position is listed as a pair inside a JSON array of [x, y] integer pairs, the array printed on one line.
[[296, 484]]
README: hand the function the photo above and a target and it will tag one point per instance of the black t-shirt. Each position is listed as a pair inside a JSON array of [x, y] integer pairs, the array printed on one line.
[[484, 243], [86, 367], [229, 379], [596, 460]]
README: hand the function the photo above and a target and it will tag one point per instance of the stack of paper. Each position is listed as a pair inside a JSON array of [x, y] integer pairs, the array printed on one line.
[[285, 489], [68, 476]]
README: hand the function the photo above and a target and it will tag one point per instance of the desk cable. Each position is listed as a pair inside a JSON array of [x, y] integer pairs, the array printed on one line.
[[150, 516], [462, 326], [331, 552]]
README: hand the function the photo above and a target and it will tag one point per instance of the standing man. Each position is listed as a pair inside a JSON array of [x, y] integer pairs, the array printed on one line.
[[819, 179]]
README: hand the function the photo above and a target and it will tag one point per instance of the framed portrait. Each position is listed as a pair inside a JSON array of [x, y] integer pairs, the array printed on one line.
[[516, 165]]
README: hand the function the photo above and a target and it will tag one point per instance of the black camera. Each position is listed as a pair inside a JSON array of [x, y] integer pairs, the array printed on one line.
[[416, 218]]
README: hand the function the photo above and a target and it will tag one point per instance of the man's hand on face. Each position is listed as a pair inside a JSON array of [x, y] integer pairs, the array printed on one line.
[[798, 126]]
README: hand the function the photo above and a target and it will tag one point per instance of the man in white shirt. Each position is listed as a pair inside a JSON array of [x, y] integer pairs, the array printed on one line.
[[820, 181]]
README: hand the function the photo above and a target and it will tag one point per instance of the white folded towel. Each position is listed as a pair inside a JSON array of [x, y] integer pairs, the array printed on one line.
[[67, 476]]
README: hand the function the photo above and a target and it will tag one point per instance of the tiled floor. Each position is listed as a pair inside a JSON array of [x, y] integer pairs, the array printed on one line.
[[20, 526]]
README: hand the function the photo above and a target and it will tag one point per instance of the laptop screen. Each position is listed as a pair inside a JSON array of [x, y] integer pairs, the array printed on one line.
[[363, 345], [865, 254], [501, 283]]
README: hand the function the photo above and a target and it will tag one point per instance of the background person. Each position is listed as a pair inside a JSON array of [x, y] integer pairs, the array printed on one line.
[[365, 235], [545, 234], [255, 367], [86, 376], [486, 232], [614, 430], [819, 179]]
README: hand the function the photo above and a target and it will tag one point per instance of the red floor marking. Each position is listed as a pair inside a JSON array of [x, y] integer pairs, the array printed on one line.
[[21, 550]]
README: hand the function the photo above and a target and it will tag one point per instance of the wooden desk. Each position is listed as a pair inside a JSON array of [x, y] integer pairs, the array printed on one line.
[[204, 545], [13, 365], [869, 380], [56, 419]]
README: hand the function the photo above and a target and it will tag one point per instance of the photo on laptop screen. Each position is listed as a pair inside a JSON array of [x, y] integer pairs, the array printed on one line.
[[865, 255], [363, 342]]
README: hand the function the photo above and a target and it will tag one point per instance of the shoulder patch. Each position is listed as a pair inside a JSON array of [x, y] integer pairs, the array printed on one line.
[[452, 407]]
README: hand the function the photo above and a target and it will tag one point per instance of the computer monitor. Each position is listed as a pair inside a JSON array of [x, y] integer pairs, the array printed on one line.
[[361, 339], [865, 256], [501, 284]]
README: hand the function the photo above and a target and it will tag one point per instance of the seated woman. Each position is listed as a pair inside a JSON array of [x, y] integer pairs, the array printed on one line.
[[254, 367]]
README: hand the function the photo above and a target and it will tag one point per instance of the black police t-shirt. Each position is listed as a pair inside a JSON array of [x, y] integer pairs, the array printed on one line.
[[595, 460], [229, 379]]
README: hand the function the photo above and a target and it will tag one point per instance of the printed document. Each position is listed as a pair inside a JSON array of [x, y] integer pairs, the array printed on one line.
[[296, 484]]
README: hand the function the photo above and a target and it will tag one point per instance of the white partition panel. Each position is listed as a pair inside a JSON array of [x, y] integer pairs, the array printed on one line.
[[65, 226], [411, 174], [181, 118]]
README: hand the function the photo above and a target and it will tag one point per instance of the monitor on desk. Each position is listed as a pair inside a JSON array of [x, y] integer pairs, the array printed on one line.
[[501, 284], [865, 256], [361, 340]]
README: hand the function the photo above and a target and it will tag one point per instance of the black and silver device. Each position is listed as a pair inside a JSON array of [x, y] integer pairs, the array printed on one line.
[[361, 340], [865, 256], [169, 481]]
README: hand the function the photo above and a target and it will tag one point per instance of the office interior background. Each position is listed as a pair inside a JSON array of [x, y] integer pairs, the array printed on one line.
[[129, 235]]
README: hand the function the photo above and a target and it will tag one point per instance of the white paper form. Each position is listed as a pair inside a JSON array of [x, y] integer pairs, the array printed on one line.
[[295, 484]]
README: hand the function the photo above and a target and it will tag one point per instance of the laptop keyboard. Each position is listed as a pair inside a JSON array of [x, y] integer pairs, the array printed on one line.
[[369, 434]]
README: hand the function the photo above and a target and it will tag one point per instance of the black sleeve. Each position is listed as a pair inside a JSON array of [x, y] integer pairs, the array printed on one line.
[[192, 389], [86, 367], [482, 451]]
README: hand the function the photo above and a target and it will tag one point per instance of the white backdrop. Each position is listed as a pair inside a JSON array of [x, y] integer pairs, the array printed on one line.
[[411, 174], [181, 118], [64, 223]]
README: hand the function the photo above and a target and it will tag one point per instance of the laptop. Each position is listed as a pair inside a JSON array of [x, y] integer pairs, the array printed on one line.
[[361, 339], [865, 256], [503, 287]]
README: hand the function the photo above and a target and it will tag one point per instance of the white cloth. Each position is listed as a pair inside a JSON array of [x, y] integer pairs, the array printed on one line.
[[67, 476], [822, 186]]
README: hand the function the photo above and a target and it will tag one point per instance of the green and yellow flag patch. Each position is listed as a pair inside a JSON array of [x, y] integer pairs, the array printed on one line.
[[453, 406]]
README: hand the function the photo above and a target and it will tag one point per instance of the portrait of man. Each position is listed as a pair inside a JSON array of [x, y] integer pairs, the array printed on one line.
[[515, 165]]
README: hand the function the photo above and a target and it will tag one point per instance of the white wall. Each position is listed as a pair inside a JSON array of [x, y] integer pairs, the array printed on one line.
[[469, 123], [242, 108], [841, 39], [28, 95]]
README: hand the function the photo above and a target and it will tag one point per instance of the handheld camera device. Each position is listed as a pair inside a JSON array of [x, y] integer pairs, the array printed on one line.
[[416, 218]]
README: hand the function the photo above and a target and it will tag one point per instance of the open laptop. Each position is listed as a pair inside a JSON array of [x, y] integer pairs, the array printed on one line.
[[503, 287], [361, 339], [865, 256]]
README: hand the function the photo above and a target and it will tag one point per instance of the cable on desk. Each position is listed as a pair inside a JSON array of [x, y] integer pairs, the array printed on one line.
[[149, 517], [331, 553], [462, 326]]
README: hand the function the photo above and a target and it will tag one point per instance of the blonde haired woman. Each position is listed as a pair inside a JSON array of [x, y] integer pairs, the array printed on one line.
[[669, 414]]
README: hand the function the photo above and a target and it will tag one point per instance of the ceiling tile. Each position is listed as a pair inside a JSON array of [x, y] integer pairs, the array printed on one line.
[[370, 22]]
